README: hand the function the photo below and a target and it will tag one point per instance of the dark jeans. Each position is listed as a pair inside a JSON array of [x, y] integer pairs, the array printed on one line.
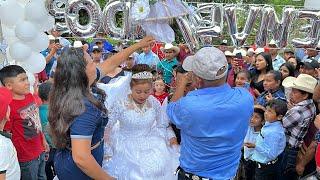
[[288, 163], [249, 169], [268, 172], [50, 165], [34, 169]]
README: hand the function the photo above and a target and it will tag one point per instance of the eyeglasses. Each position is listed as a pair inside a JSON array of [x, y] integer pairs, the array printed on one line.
[[168, 52]]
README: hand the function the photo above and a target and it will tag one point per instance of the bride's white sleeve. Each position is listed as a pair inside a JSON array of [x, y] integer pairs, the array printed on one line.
[[114, 116], [162, 121]]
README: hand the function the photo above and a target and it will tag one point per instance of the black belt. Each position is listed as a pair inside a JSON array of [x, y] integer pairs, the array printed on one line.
[[261, 165], [190, 175]]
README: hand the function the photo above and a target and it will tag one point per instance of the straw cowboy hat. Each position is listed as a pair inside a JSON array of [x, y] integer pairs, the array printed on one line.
[[169, 46], [303, 82]]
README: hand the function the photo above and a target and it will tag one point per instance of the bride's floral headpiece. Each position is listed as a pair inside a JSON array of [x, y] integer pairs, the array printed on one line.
[[142, 75]]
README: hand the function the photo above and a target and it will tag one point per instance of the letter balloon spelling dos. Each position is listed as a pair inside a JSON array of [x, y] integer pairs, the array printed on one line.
[[92, 8]]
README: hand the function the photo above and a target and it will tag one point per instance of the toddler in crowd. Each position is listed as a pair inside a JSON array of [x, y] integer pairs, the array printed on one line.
[[243, 79], [270, 143], [256, 124], [160, 90]]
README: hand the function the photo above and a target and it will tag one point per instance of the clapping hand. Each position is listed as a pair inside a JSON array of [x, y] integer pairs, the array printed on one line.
[[269, 97]]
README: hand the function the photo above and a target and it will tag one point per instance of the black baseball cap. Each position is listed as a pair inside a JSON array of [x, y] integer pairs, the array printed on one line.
[[313, 64]]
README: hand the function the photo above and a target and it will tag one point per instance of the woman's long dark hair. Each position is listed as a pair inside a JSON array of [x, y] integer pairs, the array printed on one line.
[[70, 87], [290, 67], [267, 57]]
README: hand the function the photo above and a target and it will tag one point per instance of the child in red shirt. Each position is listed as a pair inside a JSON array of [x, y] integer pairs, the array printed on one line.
[[160, 90], [25, 123]]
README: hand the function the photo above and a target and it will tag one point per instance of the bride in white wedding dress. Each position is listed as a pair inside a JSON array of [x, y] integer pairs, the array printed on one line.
[[140, 144]]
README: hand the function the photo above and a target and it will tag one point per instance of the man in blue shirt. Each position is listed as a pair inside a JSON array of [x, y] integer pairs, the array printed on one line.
[[270, 143], [148, 57], [213, 119]]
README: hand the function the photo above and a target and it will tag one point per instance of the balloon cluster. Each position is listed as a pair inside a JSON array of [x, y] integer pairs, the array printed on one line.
[[23, 25]]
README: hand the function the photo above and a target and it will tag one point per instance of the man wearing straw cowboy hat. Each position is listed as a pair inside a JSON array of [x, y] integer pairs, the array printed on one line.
[[166, 65], [297, 120], [213, 119]]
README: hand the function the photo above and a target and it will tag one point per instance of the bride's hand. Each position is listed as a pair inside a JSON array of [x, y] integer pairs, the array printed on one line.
[[173, 141]]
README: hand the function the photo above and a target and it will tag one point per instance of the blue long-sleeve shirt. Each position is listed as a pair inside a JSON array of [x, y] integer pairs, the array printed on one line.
[[270, 143], [213, 123]]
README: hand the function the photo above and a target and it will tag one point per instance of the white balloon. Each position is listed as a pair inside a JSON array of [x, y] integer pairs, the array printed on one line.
[[8, 34], [35, 63], [26, 31], [36, 12], [23, 2], [11, 12], [8, 31], [40, 43], [48, 24], [31, 78], [19, 51]]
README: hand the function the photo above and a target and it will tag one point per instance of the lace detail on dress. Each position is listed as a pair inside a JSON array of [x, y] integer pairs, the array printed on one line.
[[137, 140]]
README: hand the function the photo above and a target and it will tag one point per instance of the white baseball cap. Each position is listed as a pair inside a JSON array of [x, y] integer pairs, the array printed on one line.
[[208, 63]]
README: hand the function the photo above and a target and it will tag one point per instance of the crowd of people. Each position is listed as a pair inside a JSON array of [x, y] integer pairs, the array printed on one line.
[[131, 113]]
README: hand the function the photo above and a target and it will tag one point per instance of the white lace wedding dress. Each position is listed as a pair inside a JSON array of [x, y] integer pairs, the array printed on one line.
[[137, 142]]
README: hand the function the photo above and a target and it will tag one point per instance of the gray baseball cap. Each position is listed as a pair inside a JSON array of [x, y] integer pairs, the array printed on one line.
[[208, 63]]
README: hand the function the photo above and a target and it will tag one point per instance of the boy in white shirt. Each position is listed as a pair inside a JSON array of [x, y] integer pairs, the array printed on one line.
[[9, 166]]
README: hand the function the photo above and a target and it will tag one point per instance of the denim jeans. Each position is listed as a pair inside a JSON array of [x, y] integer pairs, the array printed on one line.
[[288, 163], [34, 169]]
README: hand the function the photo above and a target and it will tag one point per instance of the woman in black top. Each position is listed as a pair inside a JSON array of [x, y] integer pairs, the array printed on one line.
[[263, 65]]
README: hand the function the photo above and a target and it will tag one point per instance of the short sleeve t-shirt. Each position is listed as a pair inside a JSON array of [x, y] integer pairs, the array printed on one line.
[[8, 159], [25, 127], [88, 125]]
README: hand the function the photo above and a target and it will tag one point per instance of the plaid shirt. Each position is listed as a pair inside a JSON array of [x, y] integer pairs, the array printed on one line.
[[296, 122]]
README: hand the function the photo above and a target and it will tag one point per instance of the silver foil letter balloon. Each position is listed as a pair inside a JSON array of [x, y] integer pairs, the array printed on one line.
[[92, 8], [215, 23], [313, 37], [188, 33], [109, 18], [262, 34], [56, 8], [239, 38], [280, 29]]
